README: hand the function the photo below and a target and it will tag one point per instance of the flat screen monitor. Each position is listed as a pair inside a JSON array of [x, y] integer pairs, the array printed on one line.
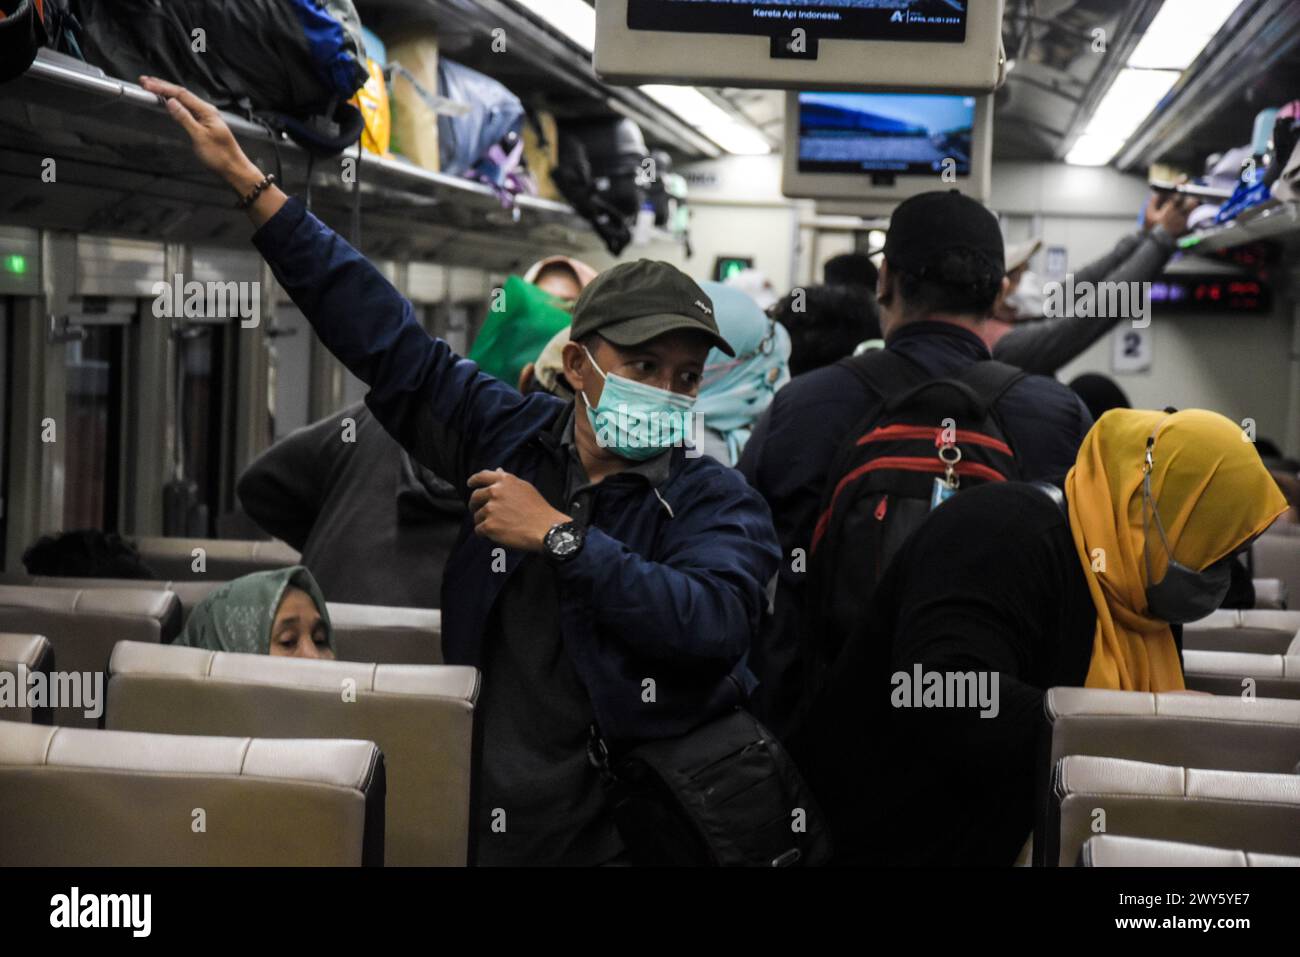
[[822, 44], [877, 148]]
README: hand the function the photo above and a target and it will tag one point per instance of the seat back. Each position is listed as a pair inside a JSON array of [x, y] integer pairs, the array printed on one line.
[[1271, 593], [222, 558], [1224, 733], [1235, 674], [420, 716], [189, 592], [1257, 631], [82, 625], [378, 633], [1252, 811], [21, 656], [387, 635], [1109, 850], [74, 797], [1276, 554]]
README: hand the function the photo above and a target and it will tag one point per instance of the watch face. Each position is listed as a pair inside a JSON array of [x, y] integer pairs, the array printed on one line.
[[564, 541]]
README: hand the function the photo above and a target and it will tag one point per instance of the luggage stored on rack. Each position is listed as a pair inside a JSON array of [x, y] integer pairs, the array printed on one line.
[[600, 162], [293, 62]]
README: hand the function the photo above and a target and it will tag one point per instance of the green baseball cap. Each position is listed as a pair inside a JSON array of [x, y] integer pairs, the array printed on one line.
[[634, 302]]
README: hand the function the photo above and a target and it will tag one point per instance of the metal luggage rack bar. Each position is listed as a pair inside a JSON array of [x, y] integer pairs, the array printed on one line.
[[123, 167]]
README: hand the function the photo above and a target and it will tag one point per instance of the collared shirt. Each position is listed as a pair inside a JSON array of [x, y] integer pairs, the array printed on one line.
[[579, 490]]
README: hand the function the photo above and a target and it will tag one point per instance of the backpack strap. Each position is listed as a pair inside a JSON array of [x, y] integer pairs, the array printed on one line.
[[884, 373], [990, 379]]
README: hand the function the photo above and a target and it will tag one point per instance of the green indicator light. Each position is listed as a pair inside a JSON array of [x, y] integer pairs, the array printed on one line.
[[15, 264]]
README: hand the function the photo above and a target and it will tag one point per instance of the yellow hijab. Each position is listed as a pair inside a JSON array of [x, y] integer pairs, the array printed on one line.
[[1213, 494]]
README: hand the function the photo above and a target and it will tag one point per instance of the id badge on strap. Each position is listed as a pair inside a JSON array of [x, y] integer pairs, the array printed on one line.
[[941, 492]]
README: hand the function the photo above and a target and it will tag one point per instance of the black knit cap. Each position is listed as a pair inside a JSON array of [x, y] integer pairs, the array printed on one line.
[[926, 226]]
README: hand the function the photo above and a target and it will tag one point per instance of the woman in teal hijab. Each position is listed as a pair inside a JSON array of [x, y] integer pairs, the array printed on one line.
[[278, 612], [734, 392]]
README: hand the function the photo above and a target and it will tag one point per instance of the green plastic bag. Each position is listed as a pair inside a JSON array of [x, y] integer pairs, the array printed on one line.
[[520, 321]]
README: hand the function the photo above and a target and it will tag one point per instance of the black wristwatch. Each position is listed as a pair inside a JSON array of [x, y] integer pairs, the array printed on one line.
[[564, 541]]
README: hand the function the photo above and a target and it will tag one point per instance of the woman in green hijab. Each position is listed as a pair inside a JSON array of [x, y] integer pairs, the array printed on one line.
[[279, 612]]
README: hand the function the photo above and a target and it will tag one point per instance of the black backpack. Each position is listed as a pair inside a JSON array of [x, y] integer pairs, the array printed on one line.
[[882, 484], [597, 174]]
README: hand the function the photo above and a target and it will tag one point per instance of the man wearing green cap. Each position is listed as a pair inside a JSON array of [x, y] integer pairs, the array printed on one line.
[[612, 583]]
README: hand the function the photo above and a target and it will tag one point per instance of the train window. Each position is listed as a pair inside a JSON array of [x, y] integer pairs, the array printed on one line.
[[93, 365], [6, 349], [289, 351], [201, 357]]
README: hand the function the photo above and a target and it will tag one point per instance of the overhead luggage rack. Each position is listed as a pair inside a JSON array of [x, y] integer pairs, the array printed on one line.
[[92, 153], [1280, 222]]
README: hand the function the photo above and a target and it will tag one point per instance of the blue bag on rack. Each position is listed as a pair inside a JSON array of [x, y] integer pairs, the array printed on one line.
[[494, 112]]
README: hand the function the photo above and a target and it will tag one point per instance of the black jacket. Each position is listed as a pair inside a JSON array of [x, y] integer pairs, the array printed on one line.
[[906, 783], [795, 441]]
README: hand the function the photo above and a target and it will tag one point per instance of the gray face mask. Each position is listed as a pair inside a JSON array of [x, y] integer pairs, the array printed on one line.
[[1184, 594]]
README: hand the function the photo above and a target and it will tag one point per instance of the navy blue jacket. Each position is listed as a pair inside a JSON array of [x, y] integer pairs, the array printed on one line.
[[671, 583]]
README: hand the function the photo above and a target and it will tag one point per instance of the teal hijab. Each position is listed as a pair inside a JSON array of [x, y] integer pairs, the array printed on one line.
[[734, 392], [238, 616]]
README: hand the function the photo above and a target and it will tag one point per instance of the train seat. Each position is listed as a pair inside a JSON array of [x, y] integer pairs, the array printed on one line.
[[223, 558], [387, 635], [1222, 733], [1252, 811], [378, 633], [1276, 554], [76, 797], [1110, 850], [1271, 594], [34, 655], [83, 624], [1260, 631], [420, 716], [1236, 673]]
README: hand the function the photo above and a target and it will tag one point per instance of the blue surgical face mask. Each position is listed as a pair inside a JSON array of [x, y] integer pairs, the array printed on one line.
[[635, 420], [1184, 594]]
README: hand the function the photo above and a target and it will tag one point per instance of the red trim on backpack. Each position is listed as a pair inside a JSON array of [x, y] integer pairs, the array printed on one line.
[[903, 463], [901, 431]]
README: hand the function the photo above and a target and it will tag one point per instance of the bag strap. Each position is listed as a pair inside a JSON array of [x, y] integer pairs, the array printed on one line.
[[884, 373], [990, 379]]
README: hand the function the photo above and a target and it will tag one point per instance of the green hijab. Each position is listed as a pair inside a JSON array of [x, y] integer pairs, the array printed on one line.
[[522, 320], [238, 616]]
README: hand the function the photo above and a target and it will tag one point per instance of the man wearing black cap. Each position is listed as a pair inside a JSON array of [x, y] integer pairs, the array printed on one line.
[[942, 272]]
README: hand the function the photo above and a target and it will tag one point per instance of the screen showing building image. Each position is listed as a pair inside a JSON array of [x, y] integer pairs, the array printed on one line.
[[942, 21], [902, 133]]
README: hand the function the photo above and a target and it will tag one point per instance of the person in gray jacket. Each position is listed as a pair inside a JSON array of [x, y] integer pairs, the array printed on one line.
[[1041, 346], [374, 526]]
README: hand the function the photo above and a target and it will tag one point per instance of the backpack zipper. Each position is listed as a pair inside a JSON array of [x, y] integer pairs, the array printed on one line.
[[882, 508], [899, 431]]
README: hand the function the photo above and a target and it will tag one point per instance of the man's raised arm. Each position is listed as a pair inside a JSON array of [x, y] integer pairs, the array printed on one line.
[[448, 415]]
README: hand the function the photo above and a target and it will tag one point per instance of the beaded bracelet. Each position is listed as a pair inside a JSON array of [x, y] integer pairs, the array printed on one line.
[[251, 198]]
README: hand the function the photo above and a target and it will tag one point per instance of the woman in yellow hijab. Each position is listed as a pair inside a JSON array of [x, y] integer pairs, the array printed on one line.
[[1158, 504]]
